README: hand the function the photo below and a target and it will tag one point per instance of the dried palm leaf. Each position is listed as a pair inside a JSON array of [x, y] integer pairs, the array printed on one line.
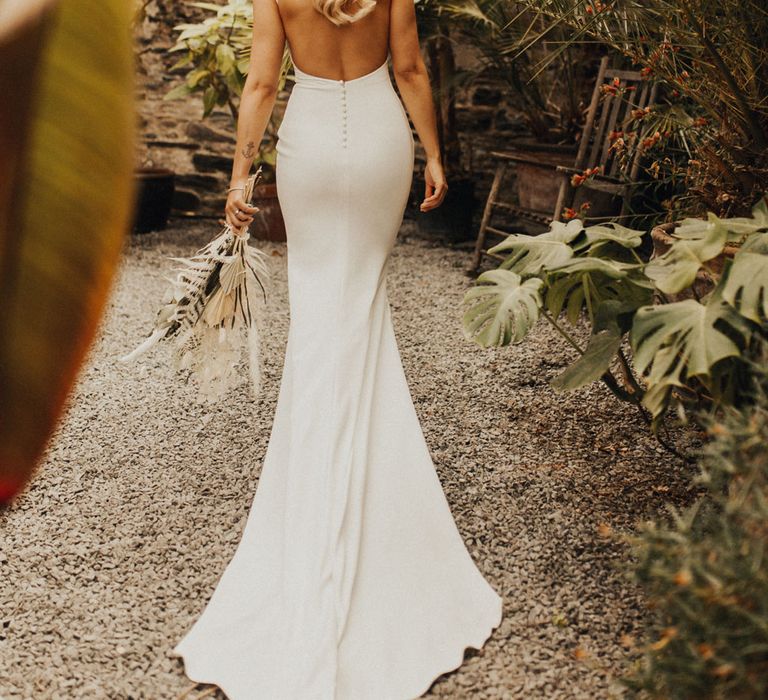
[[208, 311]]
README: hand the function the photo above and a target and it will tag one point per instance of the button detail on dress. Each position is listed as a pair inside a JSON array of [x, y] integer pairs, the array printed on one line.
[[343, 114]]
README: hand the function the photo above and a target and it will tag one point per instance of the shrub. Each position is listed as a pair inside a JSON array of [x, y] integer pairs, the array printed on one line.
[[705, 573], [216, 55]]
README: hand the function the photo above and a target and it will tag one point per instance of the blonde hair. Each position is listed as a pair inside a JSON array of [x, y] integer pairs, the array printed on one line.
[[333, 10]]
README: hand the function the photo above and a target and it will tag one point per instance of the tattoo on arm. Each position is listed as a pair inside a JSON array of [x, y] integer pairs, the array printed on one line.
[[250, 150]]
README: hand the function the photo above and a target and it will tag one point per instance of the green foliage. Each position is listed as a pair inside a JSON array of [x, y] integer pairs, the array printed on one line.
[[677, 269], [746, 285], [551, 100], [705, 573], [694, 352], [216, 56], [506, 307], [710, 133], [682, 342], [211, 50]]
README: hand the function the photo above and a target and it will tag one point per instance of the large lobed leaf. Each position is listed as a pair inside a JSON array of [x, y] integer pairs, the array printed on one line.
[[503, 308], [701, 240], [682, 340], [581, 267], [738, 227], [745, 285], [529, 255], [589, 281], [63, 225], [612, 320], [600, 236], [677, 268]]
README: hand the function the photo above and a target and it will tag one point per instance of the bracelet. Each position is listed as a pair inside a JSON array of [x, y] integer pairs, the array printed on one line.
[[232, 189]]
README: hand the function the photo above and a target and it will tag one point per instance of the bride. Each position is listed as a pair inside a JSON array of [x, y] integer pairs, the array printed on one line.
[[351, 580]]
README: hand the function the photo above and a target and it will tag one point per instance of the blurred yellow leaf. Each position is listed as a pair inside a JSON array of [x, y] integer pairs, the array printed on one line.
[[66, 197]]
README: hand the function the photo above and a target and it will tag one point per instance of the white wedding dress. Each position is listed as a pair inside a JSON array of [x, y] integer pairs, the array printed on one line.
[[351, 580]]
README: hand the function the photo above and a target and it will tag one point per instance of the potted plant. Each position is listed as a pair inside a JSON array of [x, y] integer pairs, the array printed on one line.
[[154, 198], [155, 186], [217, 54]]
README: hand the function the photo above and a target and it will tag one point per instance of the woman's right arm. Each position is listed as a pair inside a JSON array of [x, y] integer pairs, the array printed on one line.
[[413, 83], [256, 104]]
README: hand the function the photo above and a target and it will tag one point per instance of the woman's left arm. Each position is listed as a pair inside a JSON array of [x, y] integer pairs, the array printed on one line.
[[256, 103]]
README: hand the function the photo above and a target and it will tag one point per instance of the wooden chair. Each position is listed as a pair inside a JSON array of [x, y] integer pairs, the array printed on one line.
[[618, 94]]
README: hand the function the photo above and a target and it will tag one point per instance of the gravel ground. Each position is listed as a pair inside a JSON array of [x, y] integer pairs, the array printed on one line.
[[110, 555]]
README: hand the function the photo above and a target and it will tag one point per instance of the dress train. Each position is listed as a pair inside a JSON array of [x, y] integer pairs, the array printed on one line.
[[351, 580]]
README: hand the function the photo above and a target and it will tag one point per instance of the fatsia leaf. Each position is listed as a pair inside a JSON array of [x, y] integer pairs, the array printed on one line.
[[503, 308], [676, 269], [225, 57], [62, 231], [529, 255], [681, 340], [745, 283]]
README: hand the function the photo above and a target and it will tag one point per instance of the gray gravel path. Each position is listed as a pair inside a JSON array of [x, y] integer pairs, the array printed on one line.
[[110, 555]]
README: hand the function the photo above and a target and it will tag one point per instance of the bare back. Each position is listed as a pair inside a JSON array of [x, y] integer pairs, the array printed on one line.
[[321, 48]]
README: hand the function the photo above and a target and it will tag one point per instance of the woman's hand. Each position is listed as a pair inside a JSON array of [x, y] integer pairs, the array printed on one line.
[[435, 185], [238, 214]]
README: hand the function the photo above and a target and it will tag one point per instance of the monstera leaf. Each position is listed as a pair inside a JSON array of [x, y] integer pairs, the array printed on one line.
[[745, 285], [586, 282], [679, 341], [700, 240], [737, 227], [612, 321], [529, 255], [676, 269], [601, 236], [503, 308], [66, 194]]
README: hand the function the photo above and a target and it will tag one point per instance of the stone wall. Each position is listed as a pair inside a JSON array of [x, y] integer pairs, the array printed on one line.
[[174, 135]]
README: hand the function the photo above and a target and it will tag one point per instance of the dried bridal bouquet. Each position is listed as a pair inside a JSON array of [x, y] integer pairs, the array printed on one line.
[[209, 313]]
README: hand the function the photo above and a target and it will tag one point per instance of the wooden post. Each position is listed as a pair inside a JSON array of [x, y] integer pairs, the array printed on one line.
[[487, 212]]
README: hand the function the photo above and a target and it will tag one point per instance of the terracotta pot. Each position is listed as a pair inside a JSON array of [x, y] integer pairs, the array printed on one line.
[[154, 198], [268, 224], [538, 185]]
